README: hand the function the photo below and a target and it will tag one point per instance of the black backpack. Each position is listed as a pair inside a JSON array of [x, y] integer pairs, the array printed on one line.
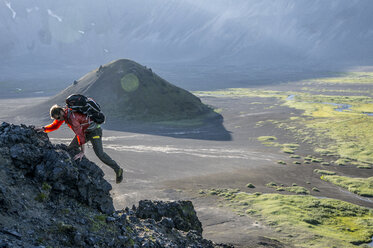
[[87, 106]]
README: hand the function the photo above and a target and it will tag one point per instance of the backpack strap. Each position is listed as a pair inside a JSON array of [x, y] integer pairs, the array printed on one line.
[[69, 113]]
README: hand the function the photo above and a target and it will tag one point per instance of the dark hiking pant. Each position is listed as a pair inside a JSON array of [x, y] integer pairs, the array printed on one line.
[[95, 136]]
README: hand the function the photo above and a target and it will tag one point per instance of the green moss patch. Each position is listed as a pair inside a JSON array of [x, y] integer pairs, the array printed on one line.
[[360, 186], [268, 141], [316, 160], [44, 194], [294, 188], [242, 92], [41, 197], [324, 172], [297, 190], [271, 184], [308, 158], [287, 150], [46, 187], [250, 185], [346, 78], [306, 221], [342, 162], [338, 123], [281, 162], [267, 138], [271, 141], [364, 167], [325, 152], [290, 146]]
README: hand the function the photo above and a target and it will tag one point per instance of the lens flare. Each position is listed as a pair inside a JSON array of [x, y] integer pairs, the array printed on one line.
[[129, 82]]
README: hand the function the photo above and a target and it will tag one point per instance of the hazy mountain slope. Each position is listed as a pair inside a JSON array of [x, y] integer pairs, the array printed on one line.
[[129, 91], [219, 31]]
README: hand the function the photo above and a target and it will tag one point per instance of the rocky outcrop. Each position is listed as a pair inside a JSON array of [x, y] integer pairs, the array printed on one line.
[[37, 158], [174, 214], [49, 200]]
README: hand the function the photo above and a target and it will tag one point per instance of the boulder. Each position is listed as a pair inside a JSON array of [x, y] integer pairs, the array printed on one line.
[[181, 213]]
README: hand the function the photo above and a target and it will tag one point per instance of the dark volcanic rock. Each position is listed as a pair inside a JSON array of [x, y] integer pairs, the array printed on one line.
[[53, 164], [49, 200], [181, 213]]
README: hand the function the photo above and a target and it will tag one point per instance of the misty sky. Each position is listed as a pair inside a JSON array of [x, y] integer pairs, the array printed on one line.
[[209, 31]]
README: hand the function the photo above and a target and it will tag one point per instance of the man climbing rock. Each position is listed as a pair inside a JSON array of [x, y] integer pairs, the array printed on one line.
[[85, 130]]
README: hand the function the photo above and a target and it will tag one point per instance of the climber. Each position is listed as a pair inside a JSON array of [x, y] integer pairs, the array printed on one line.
[[85, 130]]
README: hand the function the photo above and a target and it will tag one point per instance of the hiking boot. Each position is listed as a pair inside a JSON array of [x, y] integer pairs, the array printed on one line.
[[119, 176]]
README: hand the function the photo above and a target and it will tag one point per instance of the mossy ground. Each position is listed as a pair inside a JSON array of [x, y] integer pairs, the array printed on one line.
[[360, 186], [241, 92], [294, 188], [267, 138], [305, 221], [336, 120], [329, 125], [345, 78], [349, 130], [324, 172], [271, 141], [339, 124]]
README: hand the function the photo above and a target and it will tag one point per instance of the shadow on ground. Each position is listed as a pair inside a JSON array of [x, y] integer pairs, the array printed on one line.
[[212, 129], [38, 114]]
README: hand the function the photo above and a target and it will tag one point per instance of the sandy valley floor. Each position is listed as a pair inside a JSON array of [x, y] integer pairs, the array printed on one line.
[[173, 164]]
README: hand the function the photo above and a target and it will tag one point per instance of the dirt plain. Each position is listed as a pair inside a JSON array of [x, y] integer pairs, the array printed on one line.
[[163, 163]]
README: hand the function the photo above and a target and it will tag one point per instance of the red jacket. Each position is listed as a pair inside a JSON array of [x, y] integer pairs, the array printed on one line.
[[76, 121]]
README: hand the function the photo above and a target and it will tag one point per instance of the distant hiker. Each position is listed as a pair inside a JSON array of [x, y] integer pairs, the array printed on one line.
[[85, 130]]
